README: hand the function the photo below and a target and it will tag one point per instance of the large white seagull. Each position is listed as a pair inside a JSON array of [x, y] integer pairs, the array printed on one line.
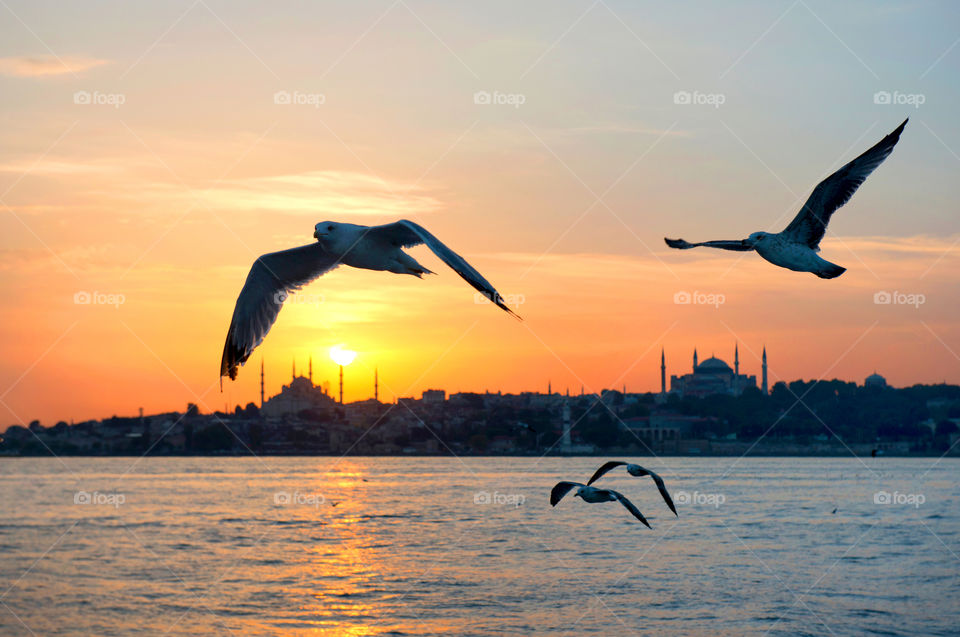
[[796, 247], [273, 276]]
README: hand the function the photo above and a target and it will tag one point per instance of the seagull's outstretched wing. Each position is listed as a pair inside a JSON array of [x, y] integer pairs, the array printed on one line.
[[607, 466], [561, 489], [663, 491], [735, 245], [271, 278], [632, 509], [810, 224], [406, 233]]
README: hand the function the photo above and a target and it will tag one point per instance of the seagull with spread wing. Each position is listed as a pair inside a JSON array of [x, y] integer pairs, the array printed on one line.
[[593, 495], [638, 471], [273, 276], [796, 247]]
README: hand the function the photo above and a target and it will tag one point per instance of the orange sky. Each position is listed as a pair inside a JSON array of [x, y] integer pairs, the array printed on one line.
[[183, 168]]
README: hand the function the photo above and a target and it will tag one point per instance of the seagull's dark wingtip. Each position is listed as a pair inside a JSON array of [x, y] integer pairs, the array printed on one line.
[[895, 135], [503, 306], [679, 244]]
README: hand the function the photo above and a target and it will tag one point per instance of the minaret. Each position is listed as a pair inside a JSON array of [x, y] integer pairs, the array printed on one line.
[[549, 389], [261, 383], [376, 385], [736, 359], [763, 387], [694, 359], [565, 442], [294, 369], [311, 370], [663, 372]]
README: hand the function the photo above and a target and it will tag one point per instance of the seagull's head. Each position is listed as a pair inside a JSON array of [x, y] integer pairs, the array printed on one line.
[[325, 231], [756, 237]]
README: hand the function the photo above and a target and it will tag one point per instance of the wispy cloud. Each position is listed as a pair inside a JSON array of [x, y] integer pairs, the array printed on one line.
[[53, 166], [615, 128], [338, 193], [46, 65]]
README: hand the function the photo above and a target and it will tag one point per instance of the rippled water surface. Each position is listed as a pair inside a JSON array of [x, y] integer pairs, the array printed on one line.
[[412, 546]]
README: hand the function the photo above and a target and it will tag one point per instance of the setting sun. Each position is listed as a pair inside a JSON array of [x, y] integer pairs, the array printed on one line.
[[342, 356]]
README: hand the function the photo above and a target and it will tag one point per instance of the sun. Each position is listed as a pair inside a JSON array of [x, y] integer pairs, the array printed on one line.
[[342, 356]]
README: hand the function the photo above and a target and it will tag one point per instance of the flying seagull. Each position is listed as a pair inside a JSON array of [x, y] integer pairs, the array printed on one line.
[[638, 471], [273, 276], [593, 494], [796, 247]]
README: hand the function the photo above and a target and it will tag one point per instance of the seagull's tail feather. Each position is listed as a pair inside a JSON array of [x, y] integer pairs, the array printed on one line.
[[830, 271]]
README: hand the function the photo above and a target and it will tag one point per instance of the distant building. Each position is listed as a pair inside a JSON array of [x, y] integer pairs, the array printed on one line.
[[433, 396], [875, 380], [712, 376], [299, 395]]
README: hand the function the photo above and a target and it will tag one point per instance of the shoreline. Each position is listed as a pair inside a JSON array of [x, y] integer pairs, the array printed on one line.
[[619, 453]]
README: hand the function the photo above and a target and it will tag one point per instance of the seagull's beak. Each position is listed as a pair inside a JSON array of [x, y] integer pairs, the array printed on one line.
[[317, 234]]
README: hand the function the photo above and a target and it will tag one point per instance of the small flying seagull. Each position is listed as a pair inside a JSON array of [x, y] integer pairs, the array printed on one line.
[[796, 247], [593, 494], [273, 276], [638, 471]]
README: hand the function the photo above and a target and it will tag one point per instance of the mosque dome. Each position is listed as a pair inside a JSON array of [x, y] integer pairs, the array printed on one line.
[[713, 365], [875, 380]]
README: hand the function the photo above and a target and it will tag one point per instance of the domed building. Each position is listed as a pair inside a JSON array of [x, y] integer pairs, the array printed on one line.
[[712, 376], [299, 395], [875, 380]]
